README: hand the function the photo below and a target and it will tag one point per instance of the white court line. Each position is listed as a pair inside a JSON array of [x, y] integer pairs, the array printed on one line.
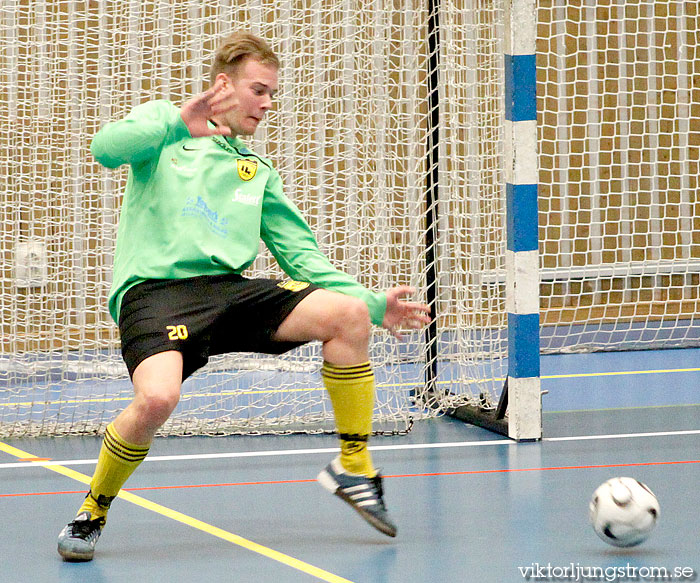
[[334, 450], [623, 435], [280, 452]]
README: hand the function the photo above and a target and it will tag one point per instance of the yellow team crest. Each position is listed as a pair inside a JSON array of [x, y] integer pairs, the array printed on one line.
[[247, 169], [293, 286]]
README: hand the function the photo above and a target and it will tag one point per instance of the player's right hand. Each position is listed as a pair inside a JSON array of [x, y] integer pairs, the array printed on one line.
[[197, 111]]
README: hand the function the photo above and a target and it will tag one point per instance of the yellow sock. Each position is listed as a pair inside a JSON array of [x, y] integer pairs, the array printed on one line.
[[351, 389], [117, 461]]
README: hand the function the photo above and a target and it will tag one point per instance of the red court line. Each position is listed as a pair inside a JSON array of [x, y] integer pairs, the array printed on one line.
[[264, 483], [42, 493], [422, 475], [34, 459], [546, 469]]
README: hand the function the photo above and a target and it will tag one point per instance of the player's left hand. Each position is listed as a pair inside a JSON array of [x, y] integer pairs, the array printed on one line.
[[402, 314]]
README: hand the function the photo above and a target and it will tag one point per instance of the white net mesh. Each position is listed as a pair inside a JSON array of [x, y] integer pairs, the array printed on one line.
[[348, 135], [619, 112]]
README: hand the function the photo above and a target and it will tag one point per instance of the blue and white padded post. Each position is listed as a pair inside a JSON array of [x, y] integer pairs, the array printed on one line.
[[522, 258]]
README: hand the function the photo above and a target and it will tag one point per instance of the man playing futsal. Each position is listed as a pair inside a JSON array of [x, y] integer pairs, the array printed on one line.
[[197, 202]]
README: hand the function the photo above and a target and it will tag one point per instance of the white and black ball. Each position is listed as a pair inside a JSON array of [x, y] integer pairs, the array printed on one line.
[[623, 512]]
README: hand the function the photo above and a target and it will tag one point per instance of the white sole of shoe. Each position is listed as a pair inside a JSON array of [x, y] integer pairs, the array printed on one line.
[[76, 556], [327, 481]]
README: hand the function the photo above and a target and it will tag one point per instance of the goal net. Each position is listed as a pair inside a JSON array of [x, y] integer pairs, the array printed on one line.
[[349, 134], [619, 116]]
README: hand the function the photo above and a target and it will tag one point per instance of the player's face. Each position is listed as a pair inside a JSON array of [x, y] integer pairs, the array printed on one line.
[[255, 85]]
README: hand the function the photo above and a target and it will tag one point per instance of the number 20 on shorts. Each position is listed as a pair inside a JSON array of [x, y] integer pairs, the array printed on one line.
[[178, 332]]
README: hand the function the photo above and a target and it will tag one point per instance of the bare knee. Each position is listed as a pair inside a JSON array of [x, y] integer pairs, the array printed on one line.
[[340, 321], [156, 404], [351, 320], [157, 382]]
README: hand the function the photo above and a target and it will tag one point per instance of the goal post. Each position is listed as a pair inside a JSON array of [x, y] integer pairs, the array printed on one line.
[[522, 254], [519, 410]]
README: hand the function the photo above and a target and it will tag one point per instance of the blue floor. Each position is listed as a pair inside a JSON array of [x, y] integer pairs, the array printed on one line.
[[470, 505]]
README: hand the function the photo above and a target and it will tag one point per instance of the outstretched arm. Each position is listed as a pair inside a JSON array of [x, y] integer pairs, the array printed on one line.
[[141, 135], [402, 314]]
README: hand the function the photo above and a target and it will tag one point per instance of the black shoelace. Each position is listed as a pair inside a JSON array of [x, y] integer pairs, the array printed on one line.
[[377, 483], [84, 528]]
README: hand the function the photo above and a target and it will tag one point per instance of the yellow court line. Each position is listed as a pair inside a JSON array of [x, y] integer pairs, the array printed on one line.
[[617, 373], [187, 397], [608, 409], [320, 574]]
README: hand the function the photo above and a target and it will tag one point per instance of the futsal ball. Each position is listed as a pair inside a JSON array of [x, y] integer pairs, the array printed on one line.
[[623, 512]]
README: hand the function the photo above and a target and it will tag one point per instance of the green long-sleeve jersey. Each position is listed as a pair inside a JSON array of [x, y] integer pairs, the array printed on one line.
[[199, 206]]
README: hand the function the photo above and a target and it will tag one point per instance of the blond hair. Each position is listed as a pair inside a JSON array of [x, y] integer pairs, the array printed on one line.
[[235, 48]]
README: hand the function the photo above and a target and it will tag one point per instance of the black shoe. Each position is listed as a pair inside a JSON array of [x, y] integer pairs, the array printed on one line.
[[77, 540], [366, 495]]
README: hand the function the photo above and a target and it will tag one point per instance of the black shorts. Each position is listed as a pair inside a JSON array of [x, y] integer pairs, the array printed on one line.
[[207, 315]]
